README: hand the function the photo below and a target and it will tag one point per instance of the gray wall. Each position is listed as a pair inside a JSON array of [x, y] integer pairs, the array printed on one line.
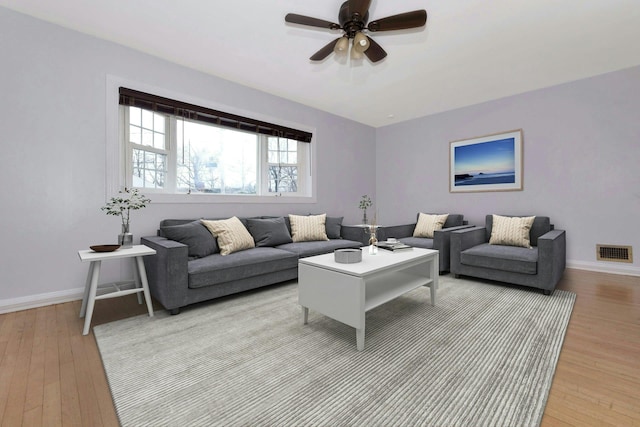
[[581, 157], [52, 167]]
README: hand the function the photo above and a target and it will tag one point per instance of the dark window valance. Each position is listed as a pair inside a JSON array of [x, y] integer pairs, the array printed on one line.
[[159, 104]]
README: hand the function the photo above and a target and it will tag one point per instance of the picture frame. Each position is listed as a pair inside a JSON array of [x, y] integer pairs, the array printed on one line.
[[486, 163]]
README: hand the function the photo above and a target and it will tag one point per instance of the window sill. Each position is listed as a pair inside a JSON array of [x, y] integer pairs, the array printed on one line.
[[218, 198]]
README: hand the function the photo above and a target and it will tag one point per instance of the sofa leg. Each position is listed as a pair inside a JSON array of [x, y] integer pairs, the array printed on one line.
[[546, 291], [457, 276], [174, 311]]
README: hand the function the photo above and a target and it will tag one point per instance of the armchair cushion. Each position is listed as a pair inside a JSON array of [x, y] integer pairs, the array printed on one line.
[[511, 231], [541, 225], [427, 224], [505, 258]]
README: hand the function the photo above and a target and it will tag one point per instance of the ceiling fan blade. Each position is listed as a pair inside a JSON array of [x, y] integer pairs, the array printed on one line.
[[375, 52], [360, 7], [294, 18], [325, 51], [403, 21]]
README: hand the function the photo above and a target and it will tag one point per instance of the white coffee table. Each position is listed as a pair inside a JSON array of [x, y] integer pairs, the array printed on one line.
[[345, 292]]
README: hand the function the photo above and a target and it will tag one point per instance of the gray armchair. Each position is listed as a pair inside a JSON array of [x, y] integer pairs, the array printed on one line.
[[440, 241], [540, 266]]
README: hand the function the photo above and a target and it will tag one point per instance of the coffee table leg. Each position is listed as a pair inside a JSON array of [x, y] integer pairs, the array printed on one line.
[[360, 339], [305, 315]]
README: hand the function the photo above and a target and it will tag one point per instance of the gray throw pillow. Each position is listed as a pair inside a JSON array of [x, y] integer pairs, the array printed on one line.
[[333, 226], [269, 231], [195, 235]]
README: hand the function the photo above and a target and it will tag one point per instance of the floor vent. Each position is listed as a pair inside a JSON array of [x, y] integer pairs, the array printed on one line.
[[614, 253]]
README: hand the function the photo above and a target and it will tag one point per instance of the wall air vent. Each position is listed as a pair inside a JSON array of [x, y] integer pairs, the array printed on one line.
[[614, 253]]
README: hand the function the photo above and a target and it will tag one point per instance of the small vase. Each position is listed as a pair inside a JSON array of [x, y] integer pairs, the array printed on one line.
[[364, 217], [125, 239], [373, 242]]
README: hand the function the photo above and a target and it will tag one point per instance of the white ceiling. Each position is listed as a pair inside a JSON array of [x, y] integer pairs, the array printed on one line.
[[471, 51]]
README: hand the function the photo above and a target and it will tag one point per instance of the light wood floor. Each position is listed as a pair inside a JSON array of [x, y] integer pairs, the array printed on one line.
[[51, 375]]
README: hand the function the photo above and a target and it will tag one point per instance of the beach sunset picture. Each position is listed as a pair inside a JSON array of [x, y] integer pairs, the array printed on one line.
[[490, 163]]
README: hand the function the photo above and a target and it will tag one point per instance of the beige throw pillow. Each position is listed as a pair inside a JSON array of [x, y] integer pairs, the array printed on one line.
[[427, 224], [308, 228], [511, 231], [231, 233]]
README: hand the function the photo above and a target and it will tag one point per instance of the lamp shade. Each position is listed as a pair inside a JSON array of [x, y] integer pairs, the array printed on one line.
[[342, 46], [361, 42]]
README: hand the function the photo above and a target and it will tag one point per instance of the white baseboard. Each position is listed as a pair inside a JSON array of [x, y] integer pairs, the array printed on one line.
[[40, 300], [605, 267]]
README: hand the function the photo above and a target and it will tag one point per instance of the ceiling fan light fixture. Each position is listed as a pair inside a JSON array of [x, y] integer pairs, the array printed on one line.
[[342, 46], [361, 42]]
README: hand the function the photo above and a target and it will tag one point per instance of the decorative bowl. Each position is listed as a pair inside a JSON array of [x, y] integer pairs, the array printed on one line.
[[104, 248], [347, 256]]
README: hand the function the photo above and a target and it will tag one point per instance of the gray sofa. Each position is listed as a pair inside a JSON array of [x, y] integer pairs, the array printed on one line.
[[540, 266], [188, 267], [440, 241]]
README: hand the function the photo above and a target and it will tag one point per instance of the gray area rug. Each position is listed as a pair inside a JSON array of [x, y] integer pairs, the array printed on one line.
[[485, 355]]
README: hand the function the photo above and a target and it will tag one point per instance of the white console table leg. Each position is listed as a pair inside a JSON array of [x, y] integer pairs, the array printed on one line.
[[145, 285], [305, 315], [90, 299], [87, 287]]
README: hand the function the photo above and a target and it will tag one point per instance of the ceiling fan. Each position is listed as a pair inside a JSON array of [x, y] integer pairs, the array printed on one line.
[[353, 17]]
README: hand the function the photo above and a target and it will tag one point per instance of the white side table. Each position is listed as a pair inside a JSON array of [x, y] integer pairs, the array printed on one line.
[[93, 291]]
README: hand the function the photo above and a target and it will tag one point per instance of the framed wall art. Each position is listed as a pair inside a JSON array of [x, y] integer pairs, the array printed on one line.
[[486, 163]]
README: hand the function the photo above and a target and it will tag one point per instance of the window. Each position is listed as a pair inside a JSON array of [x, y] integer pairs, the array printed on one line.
[[177, 148]]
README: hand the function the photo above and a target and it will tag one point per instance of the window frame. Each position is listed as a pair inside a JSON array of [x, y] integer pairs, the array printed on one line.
[[117, 153]]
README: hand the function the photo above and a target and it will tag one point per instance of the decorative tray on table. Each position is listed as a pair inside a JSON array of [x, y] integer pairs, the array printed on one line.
[[104, 248]]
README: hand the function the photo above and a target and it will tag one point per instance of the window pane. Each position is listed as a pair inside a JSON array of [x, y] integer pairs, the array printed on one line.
[[135, 116], [147, 119], [158, 140], [283, 179], [158, 123], [148, 169], [135, 134], [147, 137], [216, 160]]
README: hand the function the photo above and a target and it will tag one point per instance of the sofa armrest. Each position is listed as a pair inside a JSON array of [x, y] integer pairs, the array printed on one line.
[[167, 271], [552, 255], [464, 239], [442, 243]]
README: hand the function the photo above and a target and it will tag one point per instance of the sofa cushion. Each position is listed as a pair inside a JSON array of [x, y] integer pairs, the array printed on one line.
[[427, 224], [333, 227], [215, 269], [505, 258], [511, 231], [268, 231], [232, 235], [193, 234], [308, 228], [305, 249], [418, 242]]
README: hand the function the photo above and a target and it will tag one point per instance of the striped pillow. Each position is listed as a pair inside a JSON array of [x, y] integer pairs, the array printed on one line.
[[427, 224], [511, 231], [231, 234], [308, 228]]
